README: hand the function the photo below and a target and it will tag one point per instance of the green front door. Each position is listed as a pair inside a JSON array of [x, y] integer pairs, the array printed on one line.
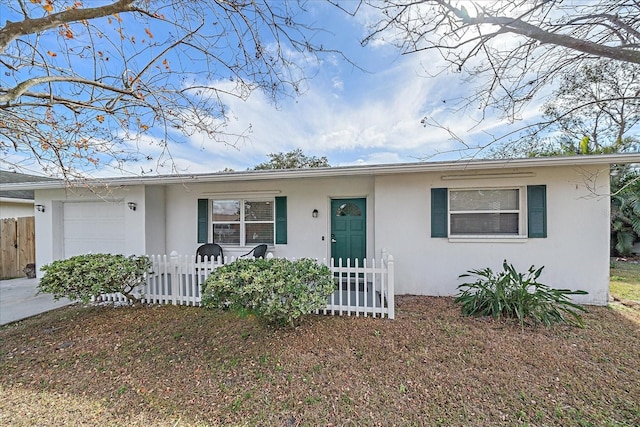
[[348, 230]]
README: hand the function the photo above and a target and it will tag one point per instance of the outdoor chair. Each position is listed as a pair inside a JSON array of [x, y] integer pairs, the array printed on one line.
[[205, 253], [209, 250], [258, 252]]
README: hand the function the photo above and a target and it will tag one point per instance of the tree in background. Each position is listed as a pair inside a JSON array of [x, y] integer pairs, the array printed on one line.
[[593, 111], [625, 210], [89, 83], [294, 159], [514, 50], [511, 49]]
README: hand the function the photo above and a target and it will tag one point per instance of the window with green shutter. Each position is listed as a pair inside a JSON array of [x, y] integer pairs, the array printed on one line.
[[489, 212], [203, 220], [281, 220], [439, 215], [537, 211], [239, 222]]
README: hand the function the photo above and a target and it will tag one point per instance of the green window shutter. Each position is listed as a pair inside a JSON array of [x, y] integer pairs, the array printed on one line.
[[439, 214], [537, 210], [203, 220], [281, 220]]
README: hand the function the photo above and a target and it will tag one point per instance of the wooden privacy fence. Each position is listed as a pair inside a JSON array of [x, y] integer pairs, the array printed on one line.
[[366, 289], [17, 246]]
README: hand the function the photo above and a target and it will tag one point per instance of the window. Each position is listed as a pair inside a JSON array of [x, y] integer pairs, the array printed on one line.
[[348, 209], [243, 222], [233, 228], [489, 212], [484, 212]]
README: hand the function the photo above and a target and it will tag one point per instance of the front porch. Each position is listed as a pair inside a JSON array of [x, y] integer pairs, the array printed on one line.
[[360, 290]]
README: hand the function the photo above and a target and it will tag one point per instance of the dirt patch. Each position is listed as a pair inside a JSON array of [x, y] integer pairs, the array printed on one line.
[[431, 366]]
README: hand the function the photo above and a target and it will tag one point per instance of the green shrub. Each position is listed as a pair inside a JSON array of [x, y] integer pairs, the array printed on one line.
[[516, 295], [85, 276], [278, 290], [625, 210]]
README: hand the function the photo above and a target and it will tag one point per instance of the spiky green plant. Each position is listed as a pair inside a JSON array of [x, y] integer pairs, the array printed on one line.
[[515, 295]]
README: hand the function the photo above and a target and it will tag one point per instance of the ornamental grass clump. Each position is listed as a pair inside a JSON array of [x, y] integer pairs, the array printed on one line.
[[278, 290], [83, 277], [515, 295]]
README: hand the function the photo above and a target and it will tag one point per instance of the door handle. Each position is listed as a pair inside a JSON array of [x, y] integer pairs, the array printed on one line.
[[333, 240]]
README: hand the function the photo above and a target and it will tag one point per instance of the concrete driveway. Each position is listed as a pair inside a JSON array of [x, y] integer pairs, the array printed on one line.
[[18, 300]]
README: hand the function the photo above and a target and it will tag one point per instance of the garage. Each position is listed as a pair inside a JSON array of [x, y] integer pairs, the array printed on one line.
[[93, 227]]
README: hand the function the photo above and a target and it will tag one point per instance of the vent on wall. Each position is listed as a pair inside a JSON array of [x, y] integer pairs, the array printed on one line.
[[488, 175]]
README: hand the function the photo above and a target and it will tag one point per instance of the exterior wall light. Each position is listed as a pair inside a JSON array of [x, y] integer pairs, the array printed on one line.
[[40, 208], [132, 206], [314, 213]]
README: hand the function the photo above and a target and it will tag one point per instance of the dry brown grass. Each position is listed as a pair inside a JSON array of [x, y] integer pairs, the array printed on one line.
[[189, 366]]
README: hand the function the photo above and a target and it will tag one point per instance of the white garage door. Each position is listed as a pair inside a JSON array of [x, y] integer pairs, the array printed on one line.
[[96, 227]]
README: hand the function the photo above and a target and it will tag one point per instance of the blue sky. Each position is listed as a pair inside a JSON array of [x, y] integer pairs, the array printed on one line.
[[349, 115], [352, 116]]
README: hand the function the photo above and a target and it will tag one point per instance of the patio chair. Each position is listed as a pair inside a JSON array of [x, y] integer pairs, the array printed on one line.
[[258, 252], [209, 250], [205, 252]]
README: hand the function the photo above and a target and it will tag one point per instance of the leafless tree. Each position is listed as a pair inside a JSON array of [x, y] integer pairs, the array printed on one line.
[[596, 110], [511, 49], [89, 83]]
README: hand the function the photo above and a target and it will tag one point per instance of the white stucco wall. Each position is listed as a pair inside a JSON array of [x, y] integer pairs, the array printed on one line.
[[575, 253], [155, 220], [49, 224], [304, 233], [15, 208]]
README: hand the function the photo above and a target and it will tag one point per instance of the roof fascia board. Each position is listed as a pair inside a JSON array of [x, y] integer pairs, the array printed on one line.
[[16, 200], [364, 170]]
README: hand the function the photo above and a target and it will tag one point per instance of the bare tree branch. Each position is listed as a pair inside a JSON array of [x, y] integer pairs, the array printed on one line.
[[22, 88], [514, 52], [83, 86], [512, 49], [517, 26], [13, 30]]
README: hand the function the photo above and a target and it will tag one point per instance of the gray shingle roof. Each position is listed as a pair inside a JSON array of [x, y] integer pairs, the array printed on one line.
[[7, 177]]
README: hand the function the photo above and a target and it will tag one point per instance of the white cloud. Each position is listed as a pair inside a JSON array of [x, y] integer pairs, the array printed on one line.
[[380, 125], [383, 114], [349, 115], [338, 84], [376, 159]]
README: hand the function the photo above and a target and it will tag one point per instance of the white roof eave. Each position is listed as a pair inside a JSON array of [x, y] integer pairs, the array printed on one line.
[[381, 169], [16, 200]]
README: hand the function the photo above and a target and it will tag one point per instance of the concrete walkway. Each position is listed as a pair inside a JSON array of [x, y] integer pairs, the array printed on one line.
[[18, 300]]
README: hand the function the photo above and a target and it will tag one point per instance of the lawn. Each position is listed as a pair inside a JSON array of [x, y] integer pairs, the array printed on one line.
[[182, 366], [625, 280]]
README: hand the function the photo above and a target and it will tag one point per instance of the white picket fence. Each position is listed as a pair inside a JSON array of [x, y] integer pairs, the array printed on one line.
[[366, 289]]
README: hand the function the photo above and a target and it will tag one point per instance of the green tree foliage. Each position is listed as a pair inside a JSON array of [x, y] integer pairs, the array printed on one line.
[[516, 295], [596, 111], [625, 210], [294, 159], [82, 277], [593, 111], [277, 290]]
